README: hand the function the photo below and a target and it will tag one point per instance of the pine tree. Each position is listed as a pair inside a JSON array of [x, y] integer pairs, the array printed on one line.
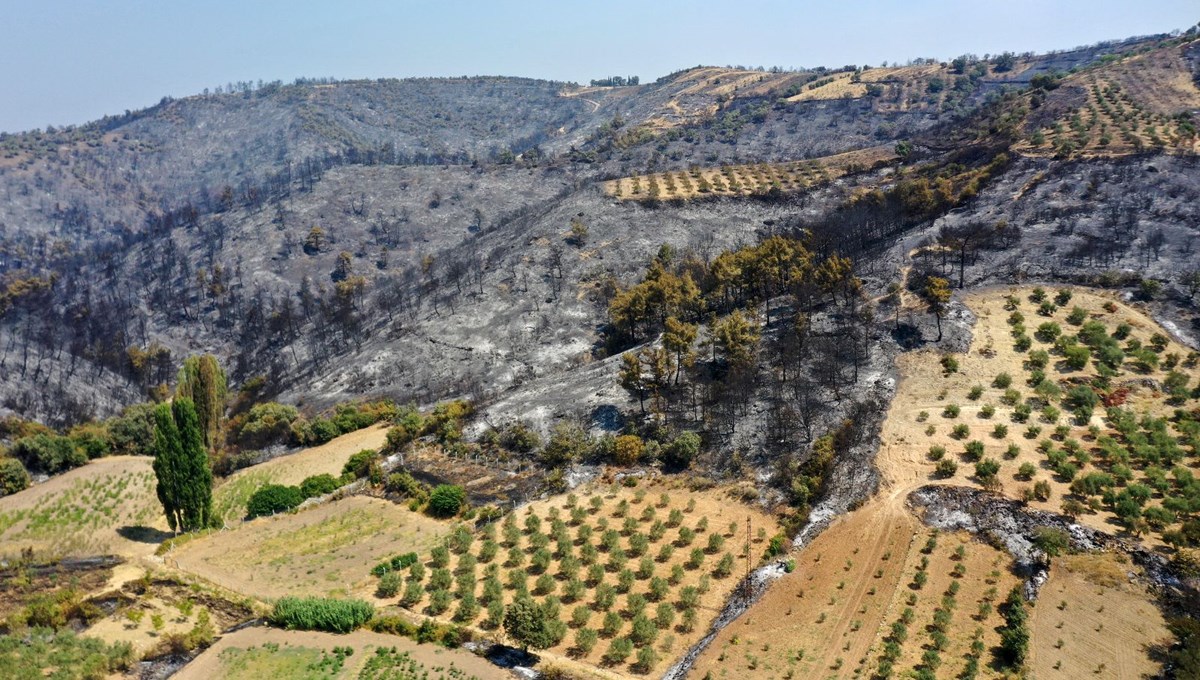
[[202, 381], [181, 466], [937, 297]]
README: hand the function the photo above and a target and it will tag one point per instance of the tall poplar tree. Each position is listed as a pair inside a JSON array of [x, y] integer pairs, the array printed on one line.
[[203, 382], [181, 466]]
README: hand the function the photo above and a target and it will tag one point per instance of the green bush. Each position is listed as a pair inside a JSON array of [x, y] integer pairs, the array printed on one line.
[[389, 585], [1077, 356], [266, 424], [318, 613], [13, 476], [397, 563], [680, 453], [359, 464], [132, 432], [319, 485], [946, 468], [49, 453], [974, 450], [446, 500], [273, 498]]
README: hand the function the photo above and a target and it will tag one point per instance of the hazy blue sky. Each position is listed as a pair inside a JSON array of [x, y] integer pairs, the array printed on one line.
[[71, 61]]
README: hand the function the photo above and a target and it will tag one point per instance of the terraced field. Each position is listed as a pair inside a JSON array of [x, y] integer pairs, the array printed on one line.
[[1137, 105], [746, 180], [633, 576], [880, 595], [106, 506]]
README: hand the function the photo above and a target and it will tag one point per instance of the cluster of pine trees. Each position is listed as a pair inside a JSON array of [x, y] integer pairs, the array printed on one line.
[[707, 315]]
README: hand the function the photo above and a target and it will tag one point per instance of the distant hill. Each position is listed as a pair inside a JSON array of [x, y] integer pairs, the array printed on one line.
[[409, 237]]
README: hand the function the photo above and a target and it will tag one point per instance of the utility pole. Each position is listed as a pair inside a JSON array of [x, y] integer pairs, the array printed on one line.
[[747, 556]]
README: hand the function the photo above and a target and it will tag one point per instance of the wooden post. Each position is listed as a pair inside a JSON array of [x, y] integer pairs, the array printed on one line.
[[748, 555]]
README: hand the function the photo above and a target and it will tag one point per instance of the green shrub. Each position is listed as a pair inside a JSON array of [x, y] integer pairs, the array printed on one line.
[[359, 464], [13, 476], [397, 563], [319, 485], [389, 584], [49, 453], [1002, 381], [273, 498], [317, 613], [265, 424], [974, 450], [446, 500], [680, 453], [405, 484], [946, 468], [1077, 356]]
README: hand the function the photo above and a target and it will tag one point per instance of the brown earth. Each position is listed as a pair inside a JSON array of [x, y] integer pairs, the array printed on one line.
[[1108, 627]]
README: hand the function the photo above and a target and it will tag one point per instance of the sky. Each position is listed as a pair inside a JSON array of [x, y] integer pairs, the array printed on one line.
[[71, 61]]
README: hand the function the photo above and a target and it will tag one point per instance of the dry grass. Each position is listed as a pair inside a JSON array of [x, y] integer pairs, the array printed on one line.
[[102, 507], [326, 550], [1092, 622]]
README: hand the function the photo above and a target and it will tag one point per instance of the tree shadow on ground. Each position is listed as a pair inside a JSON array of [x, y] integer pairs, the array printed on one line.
[[144, 534]]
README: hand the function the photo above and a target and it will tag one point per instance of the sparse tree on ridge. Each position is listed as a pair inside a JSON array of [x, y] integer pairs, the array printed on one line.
[[937, 296]]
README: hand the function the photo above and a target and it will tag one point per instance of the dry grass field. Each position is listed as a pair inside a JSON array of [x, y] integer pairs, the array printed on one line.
[[323, 551], [106, 506], [834, 614], [257, 653], [1092, 622]]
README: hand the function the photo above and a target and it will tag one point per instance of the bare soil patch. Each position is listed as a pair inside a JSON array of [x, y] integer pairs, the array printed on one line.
[[1091, 621]]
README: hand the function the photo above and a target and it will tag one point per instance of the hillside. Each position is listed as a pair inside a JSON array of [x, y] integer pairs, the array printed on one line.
[[835, 372]]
